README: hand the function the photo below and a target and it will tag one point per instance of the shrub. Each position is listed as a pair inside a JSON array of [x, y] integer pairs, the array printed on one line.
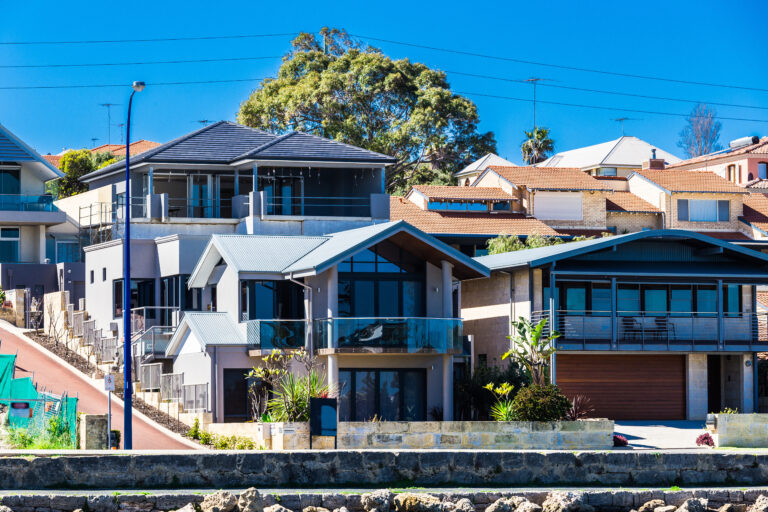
[[705, 439], [581, 407], [206, 437], [502, 410], [540, 403], [194, 432], [619, 440]]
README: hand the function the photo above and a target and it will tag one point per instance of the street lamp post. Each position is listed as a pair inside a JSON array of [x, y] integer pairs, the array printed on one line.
[[127, 348]]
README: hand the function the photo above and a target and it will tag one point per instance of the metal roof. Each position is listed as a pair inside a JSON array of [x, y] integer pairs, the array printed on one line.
[[626, 151], [225, 142], [209, 328], [544, 255], [264, 253], [482, 164], [13, 149]]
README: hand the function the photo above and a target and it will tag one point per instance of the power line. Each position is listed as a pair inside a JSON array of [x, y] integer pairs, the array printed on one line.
[[102, 64], [150, 40], [598, 107], [603, 91], [561, 66], [97, 86]]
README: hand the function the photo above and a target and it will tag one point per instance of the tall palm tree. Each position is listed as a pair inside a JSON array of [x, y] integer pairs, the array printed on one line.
[[537, 146]]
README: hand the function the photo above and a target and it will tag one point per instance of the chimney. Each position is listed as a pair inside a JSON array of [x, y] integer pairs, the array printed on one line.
[[654, 163]]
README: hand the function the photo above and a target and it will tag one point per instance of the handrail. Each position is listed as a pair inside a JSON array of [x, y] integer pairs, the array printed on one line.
[[27, 203]]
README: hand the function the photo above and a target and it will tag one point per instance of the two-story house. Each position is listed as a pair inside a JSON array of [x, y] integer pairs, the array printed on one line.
[[659, 324], [378, 305], [468, 174], [743, 162]]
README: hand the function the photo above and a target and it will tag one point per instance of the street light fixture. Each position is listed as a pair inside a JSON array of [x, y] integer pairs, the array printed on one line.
[[127, 348]]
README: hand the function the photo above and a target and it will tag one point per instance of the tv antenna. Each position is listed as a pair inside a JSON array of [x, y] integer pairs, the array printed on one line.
[[120, 125], [93, 142], [621, 120], [204, 122], [109, 119], [534, 81]]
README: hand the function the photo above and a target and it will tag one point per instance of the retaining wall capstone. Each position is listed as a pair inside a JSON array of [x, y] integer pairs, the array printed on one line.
[[372, 468]]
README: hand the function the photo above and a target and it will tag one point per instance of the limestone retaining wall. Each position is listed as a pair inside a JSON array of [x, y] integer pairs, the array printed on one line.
[[741, 430], [381, 468], [488, 435]]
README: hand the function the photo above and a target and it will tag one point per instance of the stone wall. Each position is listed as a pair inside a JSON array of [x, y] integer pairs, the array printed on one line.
[[601, 500], [488, 435], [741, 430], [381, 468], [92, 431]]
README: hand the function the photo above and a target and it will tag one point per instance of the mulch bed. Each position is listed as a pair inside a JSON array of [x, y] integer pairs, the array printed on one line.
[[157, 416]]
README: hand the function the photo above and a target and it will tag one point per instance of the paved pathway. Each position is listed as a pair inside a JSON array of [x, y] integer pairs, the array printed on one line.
[[55, 375], [660, 434]]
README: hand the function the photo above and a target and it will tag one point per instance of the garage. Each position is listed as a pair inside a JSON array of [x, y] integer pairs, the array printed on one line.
[[626, 387], [557, 205]]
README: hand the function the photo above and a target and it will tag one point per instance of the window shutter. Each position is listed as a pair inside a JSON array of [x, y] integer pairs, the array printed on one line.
[[682, 209], [723, 211]]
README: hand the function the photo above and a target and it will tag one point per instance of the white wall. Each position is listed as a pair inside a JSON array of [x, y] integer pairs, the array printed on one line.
[[558, 205]]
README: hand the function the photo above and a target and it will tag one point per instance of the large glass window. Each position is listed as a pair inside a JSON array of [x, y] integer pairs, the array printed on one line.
[[9, 245], [384, 281], [142, 295], [628, 299], [387, 394], [703, 210], [655, 300], [174, 293], [235, 394], [9, 181], [268, 300], [471, 206], [732, 299], [681, 299], [706, 300]]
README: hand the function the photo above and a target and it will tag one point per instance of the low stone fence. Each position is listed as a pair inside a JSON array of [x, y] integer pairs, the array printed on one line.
[[741, 430], [487, 435], [381, 468]]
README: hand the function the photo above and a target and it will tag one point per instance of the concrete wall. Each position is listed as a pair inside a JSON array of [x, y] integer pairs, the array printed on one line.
[[179, 254], [696, 386], [485, 308], [384, 468], [741, 430]]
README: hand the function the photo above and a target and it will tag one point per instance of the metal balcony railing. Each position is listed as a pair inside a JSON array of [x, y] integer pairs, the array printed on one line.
[[171, 387], [146, 317], [27, 203], [195, 397], [406, 334], [150, 376], [324, 206], [277, 334], [219, 208], [153, 342]]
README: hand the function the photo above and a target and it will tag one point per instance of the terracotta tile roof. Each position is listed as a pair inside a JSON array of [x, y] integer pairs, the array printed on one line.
[[471, 223], [758, 183], [466, 193], [761, 148], [756, 210], [627, 202], [691, 181], [550, 178], [53, 160], [137, 147], [725, 235], [762, 299]]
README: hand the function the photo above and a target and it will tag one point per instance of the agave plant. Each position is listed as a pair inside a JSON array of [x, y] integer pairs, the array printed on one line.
[[532, 349]]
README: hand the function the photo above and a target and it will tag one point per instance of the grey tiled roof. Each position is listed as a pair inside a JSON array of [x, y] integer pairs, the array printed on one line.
[[225, 142]]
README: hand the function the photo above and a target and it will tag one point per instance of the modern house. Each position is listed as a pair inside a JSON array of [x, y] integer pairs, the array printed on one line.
[[35, 235], [743, 162], [658, 324], [619, 157], [470, 173], [379, 306]]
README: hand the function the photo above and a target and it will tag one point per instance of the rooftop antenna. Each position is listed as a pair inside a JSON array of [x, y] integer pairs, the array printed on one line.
[[534, 81], [621, 120], [120, 125], [93, 142], [109, 119], [204, 122]]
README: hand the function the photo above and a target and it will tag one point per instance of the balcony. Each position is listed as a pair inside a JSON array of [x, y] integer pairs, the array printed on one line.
[[269, 335], [659, 330], [30, 209], [389, 335], [320, 206]]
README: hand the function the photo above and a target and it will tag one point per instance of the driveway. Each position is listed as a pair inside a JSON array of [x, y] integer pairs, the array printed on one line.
[[661, 435], [55, 375]]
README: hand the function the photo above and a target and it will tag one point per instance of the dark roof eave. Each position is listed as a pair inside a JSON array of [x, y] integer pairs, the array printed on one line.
[[315, 159]]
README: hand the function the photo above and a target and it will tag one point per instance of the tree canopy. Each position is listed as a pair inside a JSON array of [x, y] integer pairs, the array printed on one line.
[[509, 243], [701, 133], [537, 146], [335, 87], [75, 164]]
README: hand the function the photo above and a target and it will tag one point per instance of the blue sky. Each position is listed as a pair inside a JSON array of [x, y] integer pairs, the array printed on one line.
[[705, 41]]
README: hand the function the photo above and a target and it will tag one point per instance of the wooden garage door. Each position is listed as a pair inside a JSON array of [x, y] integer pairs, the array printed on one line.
[[626, 387]]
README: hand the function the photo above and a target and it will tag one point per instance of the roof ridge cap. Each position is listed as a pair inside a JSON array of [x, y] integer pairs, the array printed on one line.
[[259, 149]]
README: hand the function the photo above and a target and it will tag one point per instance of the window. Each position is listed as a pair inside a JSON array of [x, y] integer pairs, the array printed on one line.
[[762, 170], [9, 181], [389, 394], [67, 251], [655, 300], [731, 299], [9, 245], [91, 276], [681, 299], [731, 173], [268, 300], [235, 394], [117, 298], [583, 298], [703, 210], [174, 293], [628, 299], [706, 300], [457, 206], [606, 171], [142, 295], [104, 274], [502, 206]]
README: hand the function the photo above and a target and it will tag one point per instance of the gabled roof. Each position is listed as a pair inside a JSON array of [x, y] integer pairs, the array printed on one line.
[[756, 211], [627, 202], [482, 164], [466, 223], [311, 255], [209, 328], [690, 182], [225, 143], [13, 149], [451, 192], [137, 147], [761, 148], [548, 178], [545, 255], [626, 151]]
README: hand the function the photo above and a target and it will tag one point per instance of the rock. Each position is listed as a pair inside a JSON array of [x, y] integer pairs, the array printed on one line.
[[314, 509], [341, 509], [276, 508], [413, 502], [377, 501], [334, 501], [760, 505], [101, 503], [665, 508], [464, 505], [528, 506], [693, 505], [189, 507], [221, 501], [506, 504], [560, 501], [651, 506], [250, 501]]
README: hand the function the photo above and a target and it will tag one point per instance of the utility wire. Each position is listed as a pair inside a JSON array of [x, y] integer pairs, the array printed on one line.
[[597, 107], [561, 66], [95, 86], [101, 64], [151, 40], [603, 91]]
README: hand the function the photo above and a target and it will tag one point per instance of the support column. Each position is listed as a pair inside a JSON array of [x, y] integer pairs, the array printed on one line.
[[696, 382], [150, 180], [447, 387], [333, 373], [41, 246], [447, 275]]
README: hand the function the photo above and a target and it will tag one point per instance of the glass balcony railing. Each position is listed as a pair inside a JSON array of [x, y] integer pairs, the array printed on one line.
[[276, 334], [22, 203], [411, 335]]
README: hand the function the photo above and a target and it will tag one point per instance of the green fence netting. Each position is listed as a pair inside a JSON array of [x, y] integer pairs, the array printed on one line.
[[46, 408]]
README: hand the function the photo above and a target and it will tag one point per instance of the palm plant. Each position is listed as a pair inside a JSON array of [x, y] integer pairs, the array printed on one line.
[[532, 348], [537, 145]]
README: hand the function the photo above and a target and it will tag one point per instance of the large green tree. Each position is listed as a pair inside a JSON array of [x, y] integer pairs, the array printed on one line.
[[537, 146], [333, 86], [74, 164]]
